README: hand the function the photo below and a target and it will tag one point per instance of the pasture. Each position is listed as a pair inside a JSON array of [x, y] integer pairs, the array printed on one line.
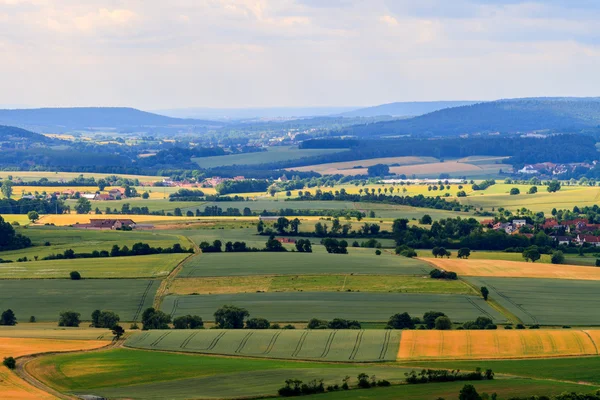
[[318, 283], [267, 263], [493, 344], [514, 269], [273, 154], [302, 306], [545, 301], [322, 345], [46, 298]]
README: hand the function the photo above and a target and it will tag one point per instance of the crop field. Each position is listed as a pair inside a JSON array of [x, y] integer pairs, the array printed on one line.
[[150, 266], [546, 301], [351, 167], [489, 255], [46, 298], [515, 269], [138, 374], [318, 283], [302, 306], [14, 388], [492, 344], [273, 154], [265, 263], [71, 219], [19, 218], [50, 330], [323, 345], [55, 176]]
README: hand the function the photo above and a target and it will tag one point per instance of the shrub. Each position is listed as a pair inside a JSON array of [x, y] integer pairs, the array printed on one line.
[[32, 319], [10, 362], [443, 323], [520, 326], [75, 276], [401, 321], [188, 322], [69, 318], [257, 323], [378, 252]]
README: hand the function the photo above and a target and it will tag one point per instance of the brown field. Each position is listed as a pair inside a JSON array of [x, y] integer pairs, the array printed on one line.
[[494, 344], [13, 387], [49, 330], [515, 269], [347, 167]]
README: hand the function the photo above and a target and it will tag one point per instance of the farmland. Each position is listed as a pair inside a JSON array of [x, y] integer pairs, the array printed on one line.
[[323, 345], [51, 330], [46, 298], [302, 306], [27, 176], [359, 167], [494, 344], [546, 301], [318, 283]]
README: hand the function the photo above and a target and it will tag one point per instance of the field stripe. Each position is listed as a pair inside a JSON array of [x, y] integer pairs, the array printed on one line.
[[159, 339], [520, 307], [479, 308], [175, 305], [187, 340], [328, 344], [272, 343], [142, 301], [357, 344], [386, 343], [300, 344], [590, 336], [243, 342], [216, 340]]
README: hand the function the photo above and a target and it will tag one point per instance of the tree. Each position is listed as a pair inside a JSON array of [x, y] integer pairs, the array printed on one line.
[[430, 317], [83, 206], [553, 186], [69, 318], [401, 321], [425, 220], [10, 362], [8, 318], [282, 224], [533, 190], [294, 225], [378, 170], [155, 319], [514, 191], [7, 189], [230, 317], [105, 319], [145, 195], [531, 253], [118, 331], [377, 252], [485, 292], [443, 323], [557, 257], [188, 322], [260, 227], [468, 392], [464, 252], [461, 193], [33, 216], [257, 323], [95, 317], [75, 276]]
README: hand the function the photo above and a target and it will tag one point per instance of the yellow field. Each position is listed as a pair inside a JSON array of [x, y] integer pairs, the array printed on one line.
[[515, 269], [49, 330], [14, 388], [71, 219], [491, 344], [20, 218]]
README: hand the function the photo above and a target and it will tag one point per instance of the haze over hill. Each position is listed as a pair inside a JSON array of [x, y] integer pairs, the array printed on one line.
[[405, 109], [504, 116], [253, 113]]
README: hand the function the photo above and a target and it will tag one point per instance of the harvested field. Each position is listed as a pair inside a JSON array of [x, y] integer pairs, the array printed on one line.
[[50, 330], [515, 269], [318, 283], [55, 176], [491, 344], [302, 306], [350, 167], [546, 301], [323, 345], [71, 219]]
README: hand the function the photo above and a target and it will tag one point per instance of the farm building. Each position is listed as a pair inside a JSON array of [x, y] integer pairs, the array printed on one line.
[[107, 224], [286, 240]]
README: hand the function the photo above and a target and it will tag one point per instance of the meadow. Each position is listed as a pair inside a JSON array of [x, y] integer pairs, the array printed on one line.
[[318, 283], [545, 301], [302, 306], [323, 345], [46, 298]]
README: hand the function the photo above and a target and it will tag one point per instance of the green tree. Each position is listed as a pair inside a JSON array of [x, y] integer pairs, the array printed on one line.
[[294, 225], [155, 319], [514, 191], [464, 252], [378, 170], [8, 318], [10, 362], [230, 317], [443, 323], [75, 276], [33, 216], [425, 220], [102, 184], [118, 331], [430, 317], [69, 318], [485, 292], [558, 257], [107, 319], [468, 392], [532, 253], [83, 206], [257, 323], [260, 227], [7, 188], [282, 224], [188, 322], [533, 190], [401, 321], [553, 186]]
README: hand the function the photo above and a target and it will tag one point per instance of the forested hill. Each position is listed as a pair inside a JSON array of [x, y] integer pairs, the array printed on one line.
[[11, 136], [91, 117], [504, 116], [405, 109]]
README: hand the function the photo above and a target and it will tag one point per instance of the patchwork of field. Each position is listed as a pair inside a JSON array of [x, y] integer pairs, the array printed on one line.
[[546, 301], [273, 154], [352, 167], [265, 263], [318, 283], [515, 269], [493, 344], [302, 306], [324, 345], [46, 298]]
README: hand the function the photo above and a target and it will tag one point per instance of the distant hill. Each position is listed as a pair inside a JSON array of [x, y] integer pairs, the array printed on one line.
[[92, 117], [505, 116], [13, 134], [405, 109], [266, 113]]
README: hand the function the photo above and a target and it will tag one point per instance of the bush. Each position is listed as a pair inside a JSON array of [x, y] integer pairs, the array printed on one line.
[[155, 319], [10, 362], [443, 323], [439, 274], [401, 321], [377, 252], [188, 322], [558, 257], [32, 319], [69, 318], [257, 323], [430, 317], [520, 326], [75, 276]]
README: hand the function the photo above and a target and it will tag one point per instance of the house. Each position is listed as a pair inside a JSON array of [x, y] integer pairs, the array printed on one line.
[[117, 192], [517, 223], [528, 169], [551, 223], [562, 240], [286, 240], [504, 226], [103, 196], [108, 224], [89, 196], [262, 218], [593, 240]]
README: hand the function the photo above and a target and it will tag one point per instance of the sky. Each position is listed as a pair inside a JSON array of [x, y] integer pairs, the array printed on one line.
[[166, 54]]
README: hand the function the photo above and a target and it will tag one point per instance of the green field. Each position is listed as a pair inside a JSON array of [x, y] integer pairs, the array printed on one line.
[[491, 255], [150, 266], [357, 262], [322, 345], [162, 204], [302, 306], [546, 301], [46, 298], [273, 154]]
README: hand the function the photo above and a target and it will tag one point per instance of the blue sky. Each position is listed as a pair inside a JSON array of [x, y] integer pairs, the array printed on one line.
[[156, 54]]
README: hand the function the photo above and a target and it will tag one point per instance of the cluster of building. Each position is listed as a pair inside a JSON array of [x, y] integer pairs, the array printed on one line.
[[215, 180], [553, 169], [579, 230]]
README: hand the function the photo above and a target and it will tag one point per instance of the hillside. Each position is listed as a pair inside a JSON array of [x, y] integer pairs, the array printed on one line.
[[505, 116], [12, 137], [91, 117], [405, 109]]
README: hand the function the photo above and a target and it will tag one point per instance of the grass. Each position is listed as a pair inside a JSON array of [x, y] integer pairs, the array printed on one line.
[[302, 306], [273, 154], [322, 345], [318, 283], [515, 269], [491, 344], [46, 298], [150, 266], [546, 301], [357, 262]]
